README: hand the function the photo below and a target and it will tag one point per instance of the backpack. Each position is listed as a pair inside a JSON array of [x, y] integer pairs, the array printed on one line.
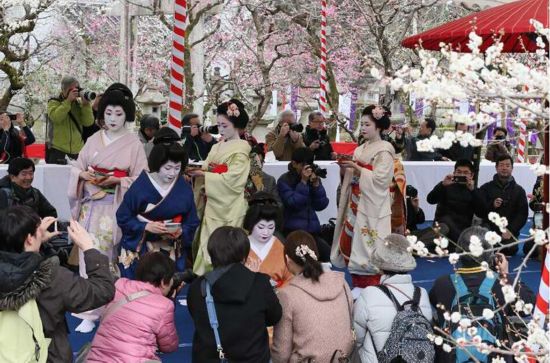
[[22, 336], [471, 305], [408, 340]]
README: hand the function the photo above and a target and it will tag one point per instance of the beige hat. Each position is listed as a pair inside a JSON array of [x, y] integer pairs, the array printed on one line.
[[391, 254]]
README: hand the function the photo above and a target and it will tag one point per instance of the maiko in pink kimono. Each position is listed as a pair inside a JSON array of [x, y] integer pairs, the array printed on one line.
[[109, 162]]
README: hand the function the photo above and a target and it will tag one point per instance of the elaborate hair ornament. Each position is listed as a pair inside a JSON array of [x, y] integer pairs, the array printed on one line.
[[233, 110], [378, 112], [303, 250]]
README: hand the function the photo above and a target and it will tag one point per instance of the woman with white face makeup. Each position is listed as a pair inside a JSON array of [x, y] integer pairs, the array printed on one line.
[[158, 211], [108, 163], [266, 250], [364, 214], [225, 173]]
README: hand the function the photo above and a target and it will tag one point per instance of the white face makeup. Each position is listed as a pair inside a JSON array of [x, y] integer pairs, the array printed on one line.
[[368, 128], [114, 117], [226, 128], [263, 231], [169, 172]]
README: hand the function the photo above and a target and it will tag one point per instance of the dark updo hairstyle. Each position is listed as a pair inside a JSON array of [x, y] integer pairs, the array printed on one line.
[[384, 122], [239, 121], [312, 267], [262, 205], [118, 94], [154, 268], [228, 245], [162, 153]]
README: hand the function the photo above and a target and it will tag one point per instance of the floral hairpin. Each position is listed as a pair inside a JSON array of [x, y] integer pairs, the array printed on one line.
[[303, 250], [378, 112], [233, 110]]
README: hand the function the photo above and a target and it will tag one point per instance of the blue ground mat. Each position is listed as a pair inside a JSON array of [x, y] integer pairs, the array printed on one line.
[[426, 272]]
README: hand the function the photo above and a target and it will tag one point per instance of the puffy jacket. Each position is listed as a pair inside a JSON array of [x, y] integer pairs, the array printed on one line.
[[135, 331], [374, 313], [301, 201], [316, 319], [12, 194], [60, 293]]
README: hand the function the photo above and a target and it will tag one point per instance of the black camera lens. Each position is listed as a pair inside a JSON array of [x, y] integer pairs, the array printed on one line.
[[297, 127]]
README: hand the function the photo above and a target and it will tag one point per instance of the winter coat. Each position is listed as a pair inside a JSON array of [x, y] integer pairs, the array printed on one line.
[[374, 313], [67, 134], [197, 149], [11, 194], [514, 206], [456, 205], [282, 146], [135, 331], [13, 142], [23, 276], [324, 151], [301, 201], [458, 152], [497, 149], [65, 292], [409, 143], [316, 319], [245, 306]]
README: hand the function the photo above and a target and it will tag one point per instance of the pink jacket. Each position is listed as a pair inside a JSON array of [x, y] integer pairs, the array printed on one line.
[[135, 331]]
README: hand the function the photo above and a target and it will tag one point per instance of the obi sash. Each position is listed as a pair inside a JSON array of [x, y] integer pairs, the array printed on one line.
[[117, 173]]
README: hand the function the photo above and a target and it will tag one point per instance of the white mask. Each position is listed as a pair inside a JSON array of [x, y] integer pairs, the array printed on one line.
[[168, 172], [226, 128], [263, 231], [114, 117]]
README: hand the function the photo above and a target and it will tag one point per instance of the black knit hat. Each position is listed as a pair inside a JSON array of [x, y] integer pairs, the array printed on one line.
[[237, 115], [118, 94]]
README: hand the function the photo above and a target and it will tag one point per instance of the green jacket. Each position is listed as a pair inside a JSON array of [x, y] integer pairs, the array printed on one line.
[[66, 136]]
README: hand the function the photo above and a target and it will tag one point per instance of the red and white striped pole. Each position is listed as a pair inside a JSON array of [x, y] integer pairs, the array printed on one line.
[[541, 308], [323, 66], [522, 142], [177, 74]]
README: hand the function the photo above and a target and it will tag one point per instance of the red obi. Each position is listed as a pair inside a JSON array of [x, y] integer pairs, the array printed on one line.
[[363, 165], [115, 172], [218, 168]]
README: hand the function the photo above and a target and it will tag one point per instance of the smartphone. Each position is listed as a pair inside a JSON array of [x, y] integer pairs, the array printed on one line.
[[460, 179]]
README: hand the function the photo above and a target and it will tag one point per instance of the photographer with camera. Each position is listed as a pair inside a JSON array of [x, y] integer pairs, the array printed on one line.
[[316, 138], [13, 141], [140, 320], [303, 195], [507, 198], [499, 146], [455, 197], [148, 126], [286, 137], [67, 115], [16, 189], [197, 139]]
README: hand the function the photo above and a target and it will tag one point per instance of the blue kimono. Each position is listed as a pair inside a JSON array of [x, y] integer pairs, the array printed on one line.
[[132, 216]]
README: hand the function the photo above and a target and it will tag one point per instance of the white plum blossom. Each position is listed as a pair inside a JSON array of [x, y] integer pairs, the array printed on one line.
[[509, 293], [492, 238], [396, 84], [488, 314], [539, 236], [453, 258], [415, 73], [528, 309], [475, 42], [498, 360], [476, 248], [438, 340], [455, 317], [447, 348], [375, 73]]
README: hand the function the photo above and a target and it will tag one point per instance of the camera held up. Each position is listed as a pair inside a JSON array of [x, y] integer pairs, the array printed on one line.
[[317, 170], [86, 94], [185, 130]]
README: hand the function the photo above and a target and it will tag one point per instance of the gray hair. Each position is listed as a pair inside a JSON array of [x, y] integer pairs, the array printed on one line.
[[463, 245], [285, 113], [312, 115], [67, 81]]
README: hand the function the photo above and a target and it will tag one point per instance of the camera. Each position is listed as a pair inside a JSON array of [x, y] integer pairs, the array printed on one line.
[[202, 129], [186, 277], [296, 127], [12, 117], [460, 179], [86, 94], [317, 170]]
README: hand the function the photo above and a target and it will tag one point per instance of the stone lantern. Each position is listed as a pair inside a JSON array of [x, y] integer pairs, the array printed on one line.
[[152, 102]]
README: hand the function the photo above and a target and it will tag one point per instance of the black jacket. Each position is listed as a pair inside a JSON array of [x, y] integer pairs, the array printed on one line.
[[28, 275], [457, 152], [414, 218], [409, 144], [245, 306], [11, 194], [196, 148], [514, 206], [11, 144], [455, 202], [324, 151]]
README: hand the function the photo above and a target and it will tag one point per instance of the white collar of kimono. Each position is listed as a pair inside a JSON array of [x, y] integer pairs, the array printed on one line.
[[261, 249], [162, 191], [109, 137]]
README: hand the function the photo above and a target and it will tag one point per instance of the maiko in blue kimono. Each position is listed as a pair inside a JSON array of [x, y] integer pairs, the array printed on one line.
[[144, 203]]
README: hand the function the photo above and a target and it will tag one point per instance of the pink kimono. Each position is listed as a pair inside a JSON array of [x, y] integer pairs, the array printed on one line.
[[95, 207]]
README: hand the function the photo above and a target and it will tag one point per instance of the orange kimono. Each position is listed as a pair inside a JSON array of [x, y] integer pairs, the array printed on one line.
[[273, 265]]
